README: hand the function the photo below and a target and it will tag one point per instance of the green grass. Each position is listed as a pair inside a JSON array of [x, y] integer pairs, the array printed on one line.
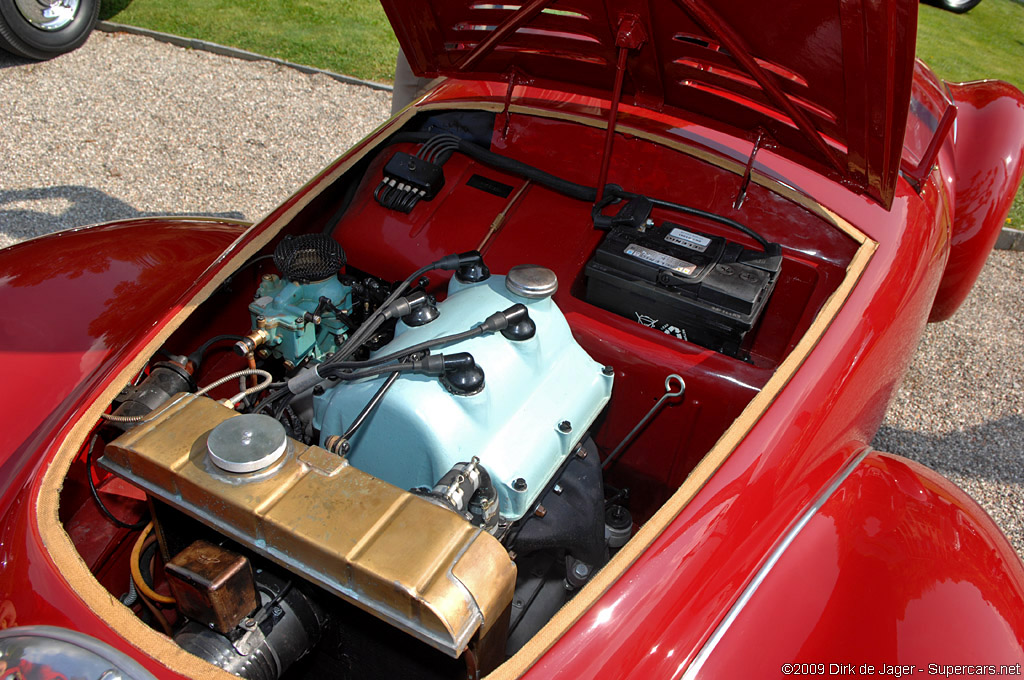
[[347, 36], [987, 42], [354, 37]]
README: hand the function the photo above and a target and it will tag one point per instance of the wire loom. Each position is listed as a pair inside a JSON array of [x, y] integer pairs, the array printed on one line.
[[402, 188]]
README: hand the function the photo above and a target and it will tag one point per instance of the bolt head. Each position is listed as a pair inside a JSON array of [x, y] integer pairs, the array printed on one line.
[[565, 427]]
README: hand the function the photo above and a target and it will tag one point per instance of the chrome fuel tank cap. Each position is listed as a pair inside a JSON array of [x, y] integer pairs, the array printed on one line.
[[531, 281], [247, 443]]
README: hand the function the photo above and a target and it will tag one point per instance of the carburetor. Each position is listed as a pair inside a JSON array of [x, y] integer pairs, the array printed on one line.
[[302, 313]]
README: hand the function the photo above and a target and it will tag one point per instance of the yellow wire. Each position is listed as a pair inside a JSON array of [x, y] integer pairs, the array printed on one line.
[[140, 583], [157, 614]]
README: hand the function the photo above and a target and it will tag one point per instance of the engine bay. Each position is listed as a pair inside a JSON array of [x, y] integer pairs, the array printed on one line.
[[403, 436]]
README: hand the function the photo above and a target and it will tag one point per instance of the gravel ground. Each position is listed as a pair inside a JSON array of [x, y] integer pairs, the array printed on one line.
[[960, 409], [128, 126]]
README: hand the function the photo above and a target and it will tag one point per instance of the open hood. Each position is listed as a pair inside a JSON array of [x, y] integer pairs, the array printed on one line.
[[826, 81]]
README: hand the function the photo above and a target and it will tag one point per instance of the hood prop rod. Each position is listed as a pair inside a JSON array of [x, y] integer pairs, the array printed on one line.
[[630, 36]]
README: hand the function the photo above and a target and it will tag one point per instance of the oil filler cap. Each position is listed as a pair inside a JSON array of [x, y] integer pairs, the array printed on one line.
[[247, 443], [531, 281]]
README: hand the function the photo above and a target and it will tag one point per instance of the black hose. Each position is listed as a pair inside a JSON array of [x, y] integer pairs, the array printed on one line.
[[478, 153], [366, 372], [280, 596], [136, 526], [283, 405], [687, 210], [370, 406], [562, 186], [571, 189], [402, 353], [271, 399], [293, 426], [376, 319], [197, 356], [145, 557]]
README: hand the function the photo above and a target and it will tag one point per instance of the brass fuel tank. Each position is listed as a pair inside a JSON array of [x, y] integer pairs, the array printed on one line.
[[420, 567]]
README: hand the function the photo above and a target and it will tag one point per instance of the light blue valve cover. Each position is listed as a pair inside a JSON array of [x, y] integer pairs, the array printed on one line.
[[420, 430]]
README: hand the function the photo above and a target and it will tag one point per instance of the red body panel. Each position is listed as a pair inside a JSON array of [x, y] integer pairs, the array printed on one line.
[[899, 567], [100, 292], [829, 82], [656, 617], [989, 162], [104, 289]]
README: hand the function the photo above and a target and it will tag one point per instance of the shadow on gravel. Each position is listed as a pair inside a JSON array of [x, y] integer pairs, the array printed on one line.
[[27, 213], [992, 451], [7, 60]]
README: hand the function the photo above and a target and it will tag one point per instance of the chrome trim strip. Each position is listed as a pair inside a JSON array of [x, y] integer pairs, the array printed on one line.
[[723, 627]]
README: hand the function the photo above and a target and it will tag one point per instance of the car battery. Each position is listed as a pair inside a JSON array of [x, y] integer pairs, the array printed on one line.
[[694, 286]]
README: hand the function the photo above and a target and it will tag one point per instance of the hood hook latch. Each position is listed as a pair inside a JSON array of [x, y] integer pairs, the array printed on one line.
[[762, 141]]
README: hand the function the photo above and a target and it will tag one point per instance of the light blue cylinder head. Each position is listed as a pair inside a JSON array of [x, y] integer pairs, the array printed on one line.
[[540, 397]]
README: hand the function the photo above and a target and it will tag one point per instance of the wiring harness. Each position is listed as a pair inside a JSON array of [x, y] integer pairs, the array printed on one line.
[[409, 179]]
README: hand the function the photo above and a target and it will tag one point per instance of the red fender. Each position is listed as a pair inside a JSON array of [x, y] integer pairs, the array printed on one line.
[[989, 159], [896, 567], [71, 303]]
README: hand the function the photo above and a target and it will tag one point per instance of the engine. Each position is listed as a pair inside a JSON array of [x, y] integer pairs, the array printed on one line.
[[426, 462], [519, 410]]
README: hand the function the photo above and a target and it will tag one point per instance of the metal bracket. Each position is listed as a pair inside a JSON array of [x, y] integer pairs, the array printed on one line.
[[916, 174], [251, 639], [514, 77], [762, 140]]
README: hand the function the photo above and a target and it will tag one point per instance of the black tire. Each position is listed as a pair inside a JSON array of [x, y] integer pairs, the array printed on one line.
[[955, 6], [19, 36]]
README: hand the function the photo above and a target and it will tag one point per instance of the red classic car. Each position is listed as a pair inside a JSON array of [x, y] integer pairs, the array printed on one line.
[[567, 370]]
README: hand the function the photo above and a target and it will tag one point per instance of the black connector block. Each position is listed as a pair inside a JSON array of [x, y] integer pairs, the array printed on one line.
[[408, 180]]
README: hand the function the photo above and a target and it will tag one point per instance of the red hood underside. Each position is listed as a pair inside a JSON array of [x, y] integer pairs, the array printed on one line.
[[828, 81]]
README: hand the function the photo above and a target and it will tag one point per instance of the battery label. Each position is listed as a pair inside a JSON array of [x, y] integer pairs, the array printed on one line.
[[661, 259], [688, 239]]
